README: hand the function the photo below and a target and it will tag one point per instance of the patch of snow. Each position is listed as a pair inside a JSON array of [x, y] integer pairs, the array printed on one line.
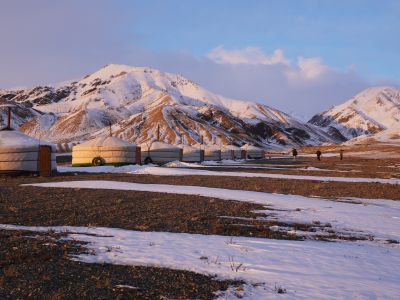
[[380, 218], [160, 171], [305, 269]]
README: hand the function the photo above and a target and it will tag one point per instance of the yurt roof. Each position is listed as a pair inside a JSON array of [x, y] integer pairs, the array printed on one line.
[[213, 147], [251, 147], [157, 145], [106, 141], [191, 147], [13, 139], [233, 147]]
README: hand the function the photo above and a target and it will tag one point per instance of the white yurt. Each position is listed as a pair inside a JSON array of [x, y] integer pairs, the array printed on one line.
[[20, 153], [192, 154], [226, 153], [160, 153], [212, 152], [105, 150], [253, 152], [238, 153]]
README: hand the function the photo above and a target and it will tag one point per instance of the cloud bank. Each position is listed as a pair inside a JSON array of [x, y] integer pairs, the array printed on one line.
[[301, 88], [49, 41]]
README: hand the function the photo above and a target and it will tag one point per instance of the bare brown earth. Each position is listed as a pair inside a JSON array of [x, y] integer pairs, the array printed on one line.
[[142, 211], [330, 166], [39, 267]]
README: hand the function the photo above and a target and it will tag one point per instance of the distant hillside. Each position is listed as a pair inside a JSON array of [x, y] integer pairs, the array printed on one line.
[[135, 100], [375, 110]]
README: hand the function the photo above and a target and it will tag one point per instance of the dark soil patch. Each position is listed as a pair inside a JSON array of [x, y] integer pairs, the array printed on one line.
[[132, 210], [331, 166], [269, 185], [39, 268]]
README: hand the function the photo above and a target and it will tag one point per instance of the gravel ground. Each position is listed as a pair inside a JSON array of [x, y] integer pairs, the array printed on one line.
[[332, 166], [136, 211], [39, 268], [269, 185]]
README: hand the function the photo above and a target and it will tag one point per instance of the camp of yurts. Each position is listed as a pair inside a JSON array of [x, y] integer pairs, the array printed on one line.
[[212, 152], [226, 153], [156, 152], [105, 150], [20, 153], [238, 153], [192, 154], [253, 152]]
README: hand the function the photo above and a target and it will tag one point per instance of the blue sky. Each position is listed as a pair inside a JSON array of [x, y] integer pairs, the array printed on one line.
[[361, 34], [299, 56]]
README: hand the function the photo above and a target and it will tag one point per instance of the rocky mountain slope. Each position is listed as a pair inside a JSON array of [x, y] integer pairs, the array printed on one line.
[[375, 110], [136, 100]]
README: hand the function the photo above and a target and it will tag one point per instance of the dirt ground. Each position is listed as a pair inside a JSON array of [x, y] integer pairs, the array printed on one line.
[[144, 211], [39, 267], [330, 166]]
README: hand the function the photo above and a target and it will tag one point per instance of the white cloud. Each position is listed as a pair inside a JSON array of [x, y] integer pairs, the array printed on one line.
[[302, 88], [311, 67], [306, 68], [249, 55]]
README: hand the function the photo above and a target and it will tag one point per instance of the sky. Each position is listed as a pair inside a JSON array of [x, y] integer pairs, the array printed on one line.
[[300, 56]]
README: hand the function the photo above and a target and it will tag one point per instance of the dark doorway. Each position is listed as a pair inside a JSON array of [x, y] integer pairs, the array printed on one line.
[[45, 161]]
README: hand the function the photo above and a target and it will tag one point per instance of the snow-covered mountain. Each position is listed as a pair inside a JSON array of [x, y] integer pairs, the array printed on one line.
[[374, 110], [136, 100]]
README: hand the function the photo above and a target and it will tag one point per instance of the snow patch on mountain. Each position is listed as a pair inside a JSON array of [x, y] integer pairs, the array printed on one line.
[[135, 100], [374, 110]]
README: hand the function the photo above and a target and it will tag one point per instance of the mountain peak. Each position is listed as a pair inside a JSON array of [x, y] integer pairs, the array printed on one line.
[[371, 111], [135, 100]]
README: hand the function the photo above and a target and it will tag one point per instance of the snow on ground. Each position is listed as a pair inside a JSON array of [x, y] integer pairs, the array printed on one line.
[[306, 269], [223, 162], [161, 171], [380, 218]]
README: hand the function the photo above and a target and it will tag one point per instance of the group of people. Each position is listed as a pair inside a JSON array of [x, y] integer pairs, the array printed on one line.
[[318, 153]]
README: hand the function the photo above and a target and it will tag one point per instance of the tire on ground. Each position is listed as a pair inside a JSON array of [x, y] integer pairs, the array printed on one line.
[[98, 161], [148, 160]]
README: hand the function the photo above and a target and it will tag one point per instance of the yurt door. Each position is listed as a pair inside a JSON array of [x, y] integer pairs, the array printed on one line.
[[138, 155], [243, 154], [45, 161]]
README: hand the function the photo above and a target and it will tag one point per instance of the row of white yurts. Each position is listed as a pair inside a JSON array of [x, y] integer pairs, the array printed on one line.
[[19, 152], [111, 150], [22, 153], [114, 151], [200, 153]]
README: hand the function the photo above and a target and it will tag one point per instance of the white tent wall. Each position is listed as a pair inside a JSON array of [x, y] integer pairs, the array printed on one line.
[[23, 161], [192, 154], [212, 154], [110, 157], [111, 150], [160, 153], [238, 152], [227, 154], [20, 153], [253, 152]]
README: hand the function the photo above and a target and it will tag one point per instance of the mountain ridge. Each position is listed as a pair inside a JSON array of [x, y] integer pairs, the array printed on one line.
[[372, 111], [137, 99]]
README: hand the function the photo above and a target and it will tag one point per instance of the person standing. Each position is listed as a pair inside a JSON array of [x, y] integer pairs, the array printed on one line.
[[341, 154], [294, 153], [319, 153]]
